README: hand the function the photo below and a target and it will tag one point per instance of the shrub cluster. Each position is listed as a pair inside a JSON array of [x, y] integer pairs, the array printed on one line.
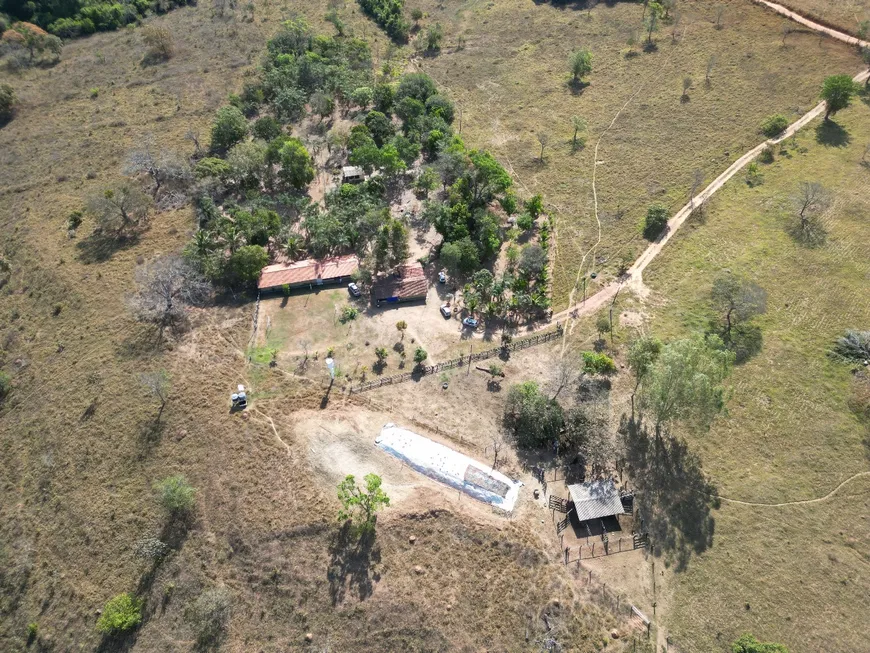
[[774, 125], [388, 14]]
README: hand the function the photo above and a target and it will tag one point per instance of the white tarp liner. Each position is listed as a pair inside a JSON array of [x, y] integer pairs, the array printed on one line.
[[449, 467]]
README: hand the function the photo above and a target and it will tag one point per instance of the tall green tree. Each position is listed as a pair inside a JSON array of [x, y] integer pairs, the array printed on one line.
[[361, 504], [297, 166], [580, 64], [228, 128], [531, 416], [685, 383], [642, 353], [460, 257], [837, 92], [245, 265]]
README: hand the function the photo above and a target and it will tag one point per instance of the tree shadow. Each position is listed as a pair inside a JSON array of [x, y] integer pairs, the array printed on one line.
[[99, 247], [138, 344], [831, 134], [745, 339], [352, 557], [674, 497], [153, 59], [118, 643], [150, 435], [577, 86]]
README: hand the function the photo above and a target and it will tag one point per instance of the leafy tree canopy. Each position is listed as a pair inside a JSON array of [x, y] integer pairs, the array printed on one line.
[[531, 417], [361, 505]]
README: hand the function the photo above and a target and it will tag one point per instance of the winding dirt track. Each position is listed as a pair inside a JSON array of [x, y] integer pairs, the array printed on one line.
[[635, 272], [793, 503]]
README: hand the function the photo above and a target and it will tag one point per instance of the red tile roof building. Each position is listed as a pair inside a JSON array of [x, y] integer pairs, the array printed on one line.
[[407, 283], [309, 272]]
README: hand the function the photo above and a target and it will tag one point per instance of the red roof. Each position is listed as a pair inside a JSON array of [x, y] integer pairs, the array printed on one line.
[[307, 271], [408, 282]]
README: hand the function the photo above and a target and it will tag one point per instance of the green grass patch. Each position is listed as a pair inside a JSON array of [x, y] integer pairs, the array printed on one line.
[[789, 434]]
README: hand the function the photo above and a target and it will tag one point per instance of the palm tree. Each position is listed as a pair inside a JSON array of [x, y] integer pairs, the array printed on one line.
[[232, 237], [292, 247], [202, 243]]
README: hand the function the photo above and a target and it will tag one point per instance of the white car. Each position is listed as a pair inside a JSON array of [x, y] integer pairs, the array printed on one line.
[[445, 311], [442, 278], [353, 289]]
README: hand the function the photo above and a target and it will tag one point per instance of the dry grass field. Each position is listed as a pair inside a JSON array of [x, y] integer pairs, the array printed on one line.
[[843, 14], [80, 451], [510, 79], [790, 573]]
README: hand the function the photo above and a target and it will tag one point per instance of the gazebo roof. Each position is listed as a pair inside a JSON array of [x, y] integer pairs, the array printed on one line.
[[596, 499]]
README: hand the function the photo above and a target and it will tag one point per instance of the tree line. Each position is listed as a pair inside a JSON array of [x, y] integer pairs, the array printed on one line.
[[71, 18]]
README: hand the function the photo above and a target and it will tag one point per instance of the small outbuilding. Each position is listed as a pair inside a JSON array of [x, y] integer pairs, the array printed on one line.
[[352, 175], [407, 284], [595, 499], [309, 273]]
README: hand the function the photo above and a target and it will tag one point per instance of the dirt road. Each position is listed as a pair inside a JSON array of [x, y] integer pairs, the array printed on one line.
[[635, 272], [788, 13]]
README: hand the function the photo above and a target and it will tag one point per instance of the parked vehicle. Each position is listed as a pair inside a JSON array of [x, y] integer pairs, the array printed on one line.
[[470, 322], [353, 289], [442, 278], [445, 311]]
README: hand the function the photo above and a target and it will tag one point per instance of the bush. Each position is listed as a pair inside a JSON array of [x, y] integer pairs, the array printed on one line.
[[655, 222], [766, 155], [749, 644], [158, 40], [753, 175], [212, 167], [420, 355], [594, 363], [853, 346], [7, 103], [535, 206], [508, 202], [348, 313], [176, 494], [525, 221], [120, 615], [774, 125], [209, 615], [74, 220]]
